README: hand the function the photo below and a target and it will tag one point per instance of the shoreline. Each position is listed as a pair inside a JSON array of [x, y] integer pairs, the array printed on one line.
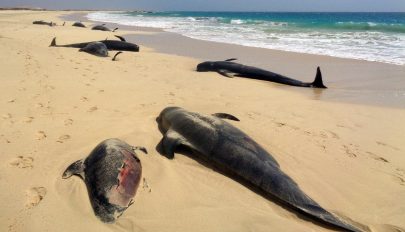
[[349, 80]]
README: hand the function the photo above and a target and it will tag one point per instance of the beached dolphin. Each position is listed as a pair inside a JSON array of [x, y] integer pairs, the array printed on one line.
[[41, 22], [232, 151], [229, 69], [95, 48], [102, 28], [112, 173], [120, 45], [78, 24], [98, 49]]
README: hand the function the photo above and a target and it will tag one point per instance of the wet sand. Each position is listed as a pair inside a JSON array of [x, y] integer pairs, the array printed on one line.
[[349, 80]]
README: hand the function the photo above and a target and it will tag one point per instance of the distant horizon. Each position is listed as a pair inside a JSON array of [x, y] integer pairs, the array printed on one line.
[[219, 11], [285, 6]]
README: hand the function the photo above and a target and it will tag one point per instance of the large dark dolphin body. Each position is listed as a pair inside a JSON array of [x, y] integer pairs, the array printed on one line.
[[112, 173], [228, 68], [231, 150], [102, 28], [118, 45]]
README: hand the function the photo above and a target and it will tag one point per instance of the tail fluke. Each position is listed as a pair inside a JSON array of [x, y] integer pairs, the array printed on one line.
[[115, 29], [115, 56], [318, 83], [53, 43]]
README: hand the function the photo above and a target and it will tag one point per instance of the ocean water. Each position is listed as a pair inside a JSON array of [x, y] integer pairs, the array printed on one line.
[[366, 36]]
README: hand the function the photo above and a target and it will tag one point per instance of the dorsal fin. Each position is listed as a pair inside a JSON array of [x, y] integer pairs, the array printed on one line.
[[53, 43], [231, 59], [226, 116], [76, 168], [120, 37], [318, 83]]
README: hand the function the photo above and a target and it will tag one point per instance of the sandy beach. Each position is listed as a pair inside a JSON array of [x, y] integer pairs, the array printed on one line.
[[345, 151]]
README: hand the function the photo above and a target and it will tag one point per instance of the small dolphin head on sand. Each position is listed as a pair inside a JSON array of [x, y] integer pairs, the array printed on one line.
[[165, 117], [206, 66]]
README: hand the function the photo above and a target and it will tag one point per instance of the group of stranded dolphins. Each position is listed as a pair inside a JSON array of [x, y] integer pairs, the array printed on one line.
[[112, 171]]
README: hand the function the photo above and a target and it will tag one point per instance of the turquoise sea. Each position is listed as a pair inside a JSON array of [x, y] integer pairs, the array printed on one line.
[[366, 36]]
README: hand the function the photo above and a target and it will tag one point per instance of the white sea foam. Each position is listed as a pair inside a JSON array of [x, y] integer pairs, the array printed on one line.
[[237, 21], [364, 45]]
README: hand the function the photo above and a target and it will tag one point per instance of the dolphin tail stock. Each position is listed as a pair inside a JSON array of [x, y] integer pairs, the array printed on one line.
[[53, 43], [281, 186], [115, 56], [318, 83], [115, 29]]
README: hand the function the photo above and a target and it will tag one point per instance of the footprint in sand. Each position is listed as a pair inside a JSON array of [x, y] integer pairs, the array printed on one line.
[[334, 135], [41, 135], [376, 157], [280, 124], [28, 119], [84, 99], [63, 138], [145, 185], [349, 152], [6, 116], [34, 196], [399, 179], [92, 109], [101, 91], [386, 145], [22, 162], [11, 100], [68, 122]]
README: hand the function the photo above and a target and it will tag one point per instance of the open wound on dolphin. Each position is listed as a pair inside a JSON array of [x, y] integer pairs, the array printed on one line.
[[127, 182]]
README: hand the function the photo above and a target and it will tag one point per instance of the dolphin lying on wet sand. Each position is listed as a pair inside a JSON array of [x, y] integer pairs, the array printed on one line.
[[120, 45], [102, 28], [78, 24], [226, 147], [229, 69], [41, 22]]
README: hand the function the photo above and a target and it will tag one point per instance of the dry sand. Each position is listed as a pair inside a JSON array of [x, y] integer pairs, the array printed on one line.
[[57, 104]]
